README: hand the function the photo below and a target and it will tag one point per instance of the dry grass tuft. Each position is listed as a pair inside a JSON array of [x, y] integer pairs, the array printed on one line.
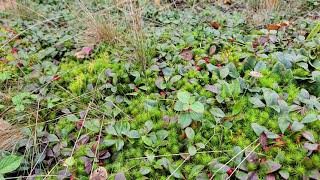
[[260, 12], [9, 135], [101, 30], [7, 4]]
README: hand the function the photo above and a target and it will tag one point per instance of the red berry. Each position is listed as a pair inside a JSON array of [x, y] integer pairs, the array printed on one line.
[[14, 50], [198, 68], [207, 60], [230, 171], [219, 65], [80, 123], [71, 177], [136, 89], [55, 77]]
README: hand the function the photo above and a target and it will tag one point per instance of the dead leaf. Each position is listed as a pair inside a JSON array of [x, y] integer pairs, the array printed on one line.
[[273, 27], [187, 54], [157, 2], [99, 174], [228, 2], [214, 24], [285, 23]]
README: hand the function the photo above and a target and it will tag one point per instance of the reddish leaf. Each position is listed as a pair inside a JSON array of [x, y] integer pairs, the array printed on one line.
[[253, 176], [214, 24], [308, 135], [187, 54], [311, 147], [270, 177], [212, 50], [263, 140]]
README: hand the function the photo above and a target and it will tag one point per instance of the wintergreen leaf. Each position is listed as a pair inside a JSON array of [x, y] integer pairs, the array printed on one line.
[[175, 172], [195, 171], [183, 96], [9, 163], [197, 107], [175, 78], [162, 134], [147, 140], [257, 128], [192, 150], [257, 103], [69, 161], [284, 174], [145, 170], [133, 134], [297, 126], [111, 130], [190, 133], [283, 123], [119, 144], [217, 112], [179, 106], [184, 120], [309, 118], [223, 72]]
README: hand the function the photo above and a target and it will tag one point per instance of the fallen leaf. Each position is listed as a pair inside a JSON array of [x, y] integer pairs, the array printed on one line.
[[99, 174], [273, 27], [214, 24], [157, 2], [228, 2]]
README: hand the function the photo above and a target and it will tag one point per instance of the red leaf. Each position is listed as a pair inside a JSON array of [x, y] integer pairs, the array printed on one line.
[[263, 140], [187, 54]]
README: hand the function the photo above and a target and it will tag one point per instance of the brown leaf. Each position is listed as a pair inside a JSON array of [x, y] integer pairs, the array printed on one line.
[[99, 174], [187, 54], [157, 2], [229, 2], [273, 27], [214, 24]]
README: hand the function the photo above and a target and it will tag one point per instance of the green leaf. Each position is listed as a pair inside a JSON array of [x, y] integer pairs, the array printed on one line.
[[297, 126], [257, 103], [175, 78], [257, 128], [119, 144], [175, 172], [111, 130], [9, 163], [190, 133], [133, 134], [184, 96], [147, 140], [162, 134], [184, 120], [223, 72], [217, 112], [179, 106], [145, 170], [284, 174], [197, 107], [309, 118], [283, 122], [109, 142], [195, 171], [192, 150], [69, 161]]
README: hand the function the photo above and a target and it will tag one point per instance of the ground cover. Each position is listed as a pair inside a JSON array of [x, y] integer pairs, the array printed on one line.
[[183, 90]]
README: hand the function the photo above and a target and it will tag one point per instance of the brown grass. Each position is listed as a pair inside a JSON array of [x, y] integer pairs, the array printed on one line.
[[7, 4], [9, 135]]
